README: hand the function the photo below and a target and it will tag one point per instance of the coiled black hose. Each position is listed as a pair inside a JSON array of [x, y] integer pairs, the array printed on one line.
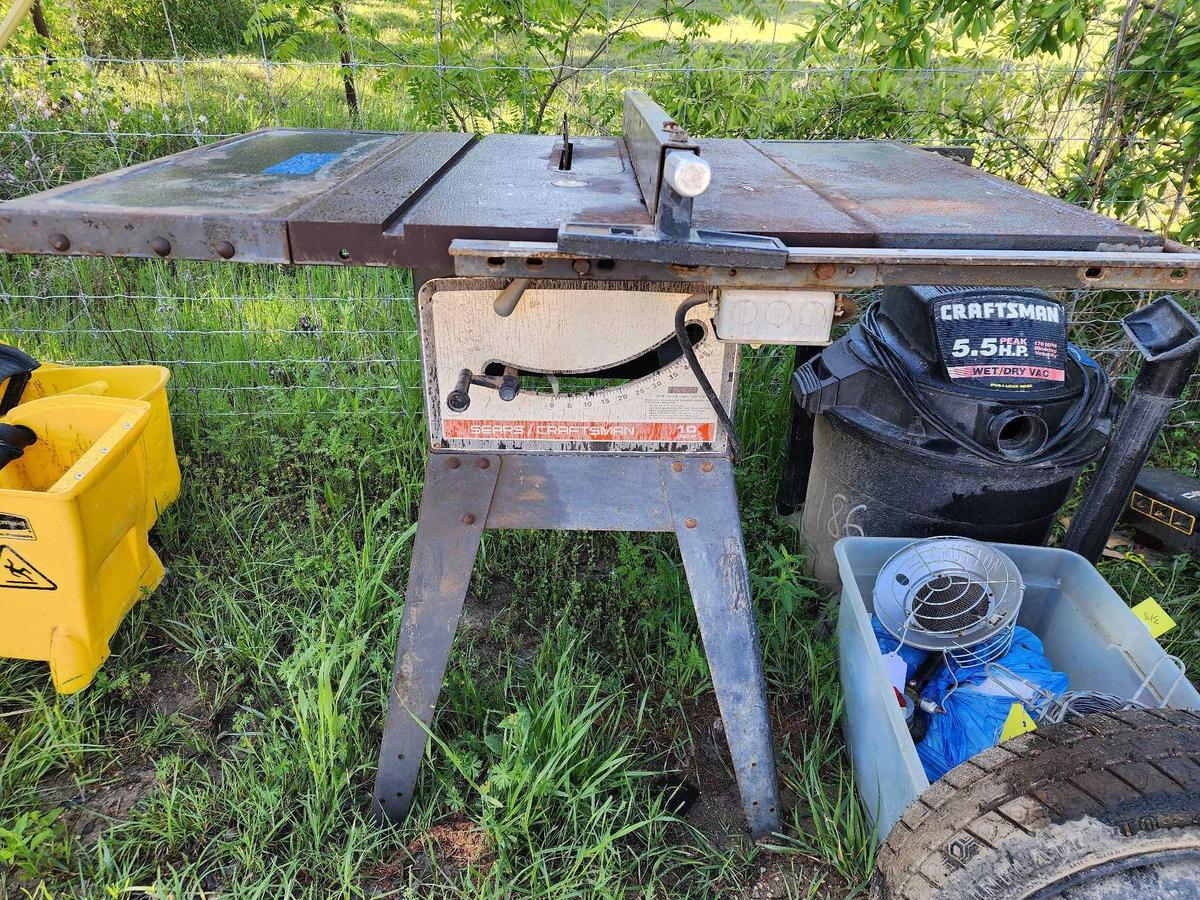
[[1062, 450], [689, 353]]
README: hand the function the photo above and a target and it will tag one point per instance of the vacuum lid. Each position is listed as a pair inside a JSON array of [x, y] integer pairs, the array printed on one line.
[[1003, 343], [981, 372]]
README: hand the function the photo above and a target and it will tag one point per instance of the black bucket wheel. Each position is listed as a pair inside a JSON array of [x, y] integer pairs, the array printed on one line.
[[1103, 807]]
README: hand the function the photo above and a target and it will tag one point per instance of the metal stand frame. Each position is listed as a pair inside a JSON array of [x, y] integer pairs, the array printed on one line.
[[690, 495]]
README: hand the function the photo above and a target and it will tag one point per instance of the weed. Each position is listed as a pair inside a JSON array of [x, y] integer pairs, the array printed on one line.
[[35, 843]]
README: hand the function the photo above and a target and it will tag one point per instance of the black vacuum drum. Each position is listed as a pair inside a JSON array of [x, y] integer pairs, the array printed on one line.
[[958, 411]]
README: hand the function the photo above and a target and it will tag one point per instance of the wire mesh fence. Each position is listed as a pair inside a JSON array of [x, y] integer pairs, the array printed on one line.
[[260, 345]]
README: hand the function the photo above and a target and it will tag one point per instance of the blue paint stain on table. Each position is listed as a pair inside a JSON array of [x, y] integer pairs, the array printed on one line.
[[301, 164]]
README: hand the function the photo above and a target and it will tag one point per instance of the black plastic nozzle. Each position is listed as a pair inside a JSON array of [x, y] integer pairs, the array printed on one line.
[[16, 367], [1169, 342]]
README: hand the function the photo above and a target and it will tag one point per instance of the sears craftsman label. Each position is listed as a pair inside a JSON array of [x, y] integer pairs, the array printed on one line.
[[649, 432], [1009, 345]]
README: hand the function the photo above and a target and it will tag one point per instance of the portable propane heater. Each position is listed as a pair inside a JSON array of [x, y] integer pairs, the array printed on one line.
[[951, 595], [581, 302]]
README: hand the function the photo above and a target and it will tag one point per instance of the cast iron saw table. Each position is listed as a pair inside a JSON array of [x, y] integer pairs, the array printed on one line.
[[582, 301]]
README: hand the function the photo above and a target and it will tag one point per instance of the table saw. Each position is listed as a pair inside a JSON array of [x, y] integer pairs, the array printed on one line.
[[582, 302]]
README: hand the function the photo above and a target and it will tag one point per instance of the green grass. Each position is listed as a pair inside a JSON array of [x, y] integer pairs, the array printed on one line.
[[227, 747], [229, 742]]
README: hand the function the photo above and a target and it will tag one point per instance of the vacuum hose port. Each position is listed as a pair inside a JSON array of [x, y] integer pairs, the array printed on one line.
[[1017, 433]]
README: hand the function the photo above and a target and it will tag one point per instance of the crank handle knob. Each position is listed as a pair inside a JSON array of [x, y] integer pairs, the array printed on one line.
[[506, 301], [509, 386], [460, 398]]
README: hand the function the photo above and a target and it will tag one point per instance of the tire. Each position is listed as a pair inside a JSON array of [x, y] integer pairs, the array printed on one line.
[[1103, 806]]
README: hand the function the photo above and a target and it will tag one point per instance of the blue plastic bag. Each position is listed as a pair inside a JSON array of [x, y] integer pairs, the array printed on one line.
[[976, 709]]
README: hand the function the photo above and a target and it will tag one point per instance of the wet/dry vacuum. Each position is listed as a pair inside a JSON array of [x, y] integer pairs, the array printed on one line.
[[965, 411]]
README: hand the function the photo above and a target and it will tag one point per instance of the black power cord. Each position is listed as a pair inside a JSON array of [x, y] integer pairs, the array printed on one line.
[[1062, 450], [689, 353]]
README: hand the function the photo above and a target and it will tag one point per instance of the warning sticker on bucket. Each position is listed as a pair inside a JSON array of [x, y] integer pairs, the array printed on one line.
[[16, 528], [18, 572], [1010, 345]]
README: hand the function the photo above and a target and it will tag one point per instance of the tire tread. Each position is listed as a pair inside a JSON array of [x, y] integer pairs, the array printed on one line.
[[1059, 773]]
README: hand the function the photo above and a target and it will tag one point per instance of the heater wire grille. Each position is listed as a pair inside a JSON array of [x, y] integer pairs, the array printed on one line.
[[952, 595]]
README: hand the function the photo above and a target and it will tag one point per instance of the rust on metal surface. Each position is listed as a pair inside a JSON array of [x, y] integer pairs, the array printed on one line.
[[867, 267], [912, 198], [509, 186], [240, 192], [349, 224], [858, 213], [753, 194]]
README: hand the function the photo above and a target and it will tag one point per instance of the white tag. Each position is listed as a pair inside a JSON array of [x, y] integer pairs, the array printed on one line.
[[897, 670]]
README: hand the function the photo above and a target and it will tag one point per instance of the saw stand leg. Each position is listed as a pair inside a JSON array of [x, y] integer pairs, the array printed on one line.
[[705, 513], [693, 496]]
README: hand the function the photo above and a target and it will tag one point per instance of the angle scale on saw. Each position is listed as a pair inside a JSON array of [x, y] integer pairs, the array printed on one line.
[[589, 367], [581, 303]]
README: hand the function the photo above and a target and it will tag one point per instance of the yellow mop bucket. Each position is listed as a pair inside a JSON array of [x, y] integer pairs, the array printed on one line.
[[74, 554], [148, 383]]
